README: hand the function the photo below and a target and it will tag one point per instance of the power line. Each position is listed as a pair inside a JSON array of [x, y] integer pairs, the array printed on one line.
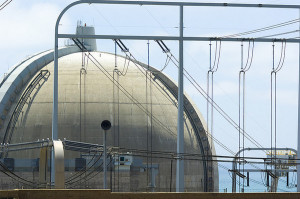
[[213, 103], [264, 28], [279, 34], [5, 3]]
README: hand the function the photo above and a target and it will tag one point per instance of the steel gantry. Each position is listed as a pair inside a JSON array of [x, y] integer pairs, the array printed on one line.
[[181, 38]]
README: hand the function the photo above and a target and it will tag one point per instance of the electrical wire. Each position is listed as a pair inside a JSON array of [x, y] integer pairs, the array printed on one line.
[[90, 173], [242, 80], [177, 66], [142, 70], [4, 4], [120, 87], [274, 98], [17, 178], [279, 34], [210, 92], [216, 106], [82, 170], [264, 28], [76, 176], [246, 68]]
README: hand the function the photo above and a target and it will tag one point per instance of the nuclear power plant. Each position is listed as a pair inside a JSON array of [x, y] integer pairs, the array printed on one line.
[[139, 100], [99, 115]]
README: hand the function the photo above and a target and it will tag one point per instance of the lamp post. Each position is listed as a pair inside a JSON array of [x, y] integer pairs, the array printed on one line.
[[105, 125]]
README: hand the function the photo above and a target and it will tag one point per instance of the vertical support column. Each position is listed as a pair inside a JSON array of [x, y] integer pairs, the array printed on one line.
[[104, 160], [105, 125], [55, 102], [43, 166], [180, 133], [59, 158], [298, 146], [234, 174]]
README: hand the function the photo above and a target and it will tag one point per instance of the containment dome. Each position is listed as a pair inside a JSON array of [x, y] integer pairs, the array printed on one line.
[[138, 100]]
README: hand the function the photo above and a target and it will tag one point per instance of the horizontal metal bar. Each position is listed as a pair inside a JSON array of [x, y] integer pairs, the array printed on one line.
[[191, 4], [230, 39], [175, 38], [264, 170], [21, 149], [70, 142], [264, 149], [129, 37], [24, 143]]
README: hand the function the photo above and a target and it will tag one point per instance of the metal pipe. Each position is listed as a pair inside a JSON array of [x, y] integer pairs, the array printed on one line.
[[55, 103], [180, 132], [190, 4], [21, 149], [24, 143], [298, 146], [104, 160], [251, 149], [176, 38], [267, 170]]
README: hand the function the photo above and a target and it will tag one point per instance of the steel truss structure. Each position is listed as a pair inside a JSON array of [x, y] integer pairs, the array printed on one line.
[[181, 38]]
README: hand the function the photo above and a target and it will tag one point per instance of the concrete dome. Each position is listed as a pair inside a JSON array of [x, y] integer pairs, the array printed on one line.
[[88, 96]]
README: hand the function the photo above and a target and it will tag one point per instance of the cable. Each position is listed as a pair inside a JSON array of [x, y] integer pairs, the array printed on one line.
[[5, 3], [72, 178], [126, 63], [216, 106], [130, 55], [246, 68], [71, 183], [14, 176], [274, 98], [242, 76], [167, 50], [106, 19], [210, 91], [265, 28], [137, 103], [81, 171], [279, 34], [94, 63]]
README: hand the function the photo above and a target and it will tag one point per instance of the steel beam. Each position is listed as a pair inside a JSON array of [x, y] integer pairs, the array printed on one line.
[[104, 161], [264, 170], [180, 132], [176, 38], [298, 144], [189, 4]]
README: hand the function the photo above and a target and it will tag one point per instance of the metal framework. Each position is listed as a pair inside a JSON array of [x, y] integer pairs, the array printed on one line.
[[180, 39], [236, 172]]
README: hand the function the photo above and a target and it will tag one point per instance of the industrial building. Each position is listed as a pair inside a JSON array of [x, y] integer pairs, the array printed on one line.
[[139, 100]]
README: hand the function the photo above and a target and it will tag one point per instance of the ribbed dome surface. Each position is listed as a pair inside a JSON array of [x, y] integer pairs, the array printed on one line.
[[142, 111]]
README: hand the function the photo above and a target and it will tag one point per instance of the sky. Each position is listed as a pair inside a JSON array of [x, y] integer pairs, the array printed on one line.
[[27, 27]]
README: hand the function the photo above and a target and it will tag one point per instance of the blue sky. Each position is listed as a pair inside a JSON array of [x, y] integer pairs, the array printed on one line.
[[27, 27]]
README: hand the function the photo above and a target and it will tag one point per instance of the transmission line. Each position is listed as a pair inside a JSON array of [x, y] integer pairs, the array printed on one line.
[[264, 28], [5, 3]]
